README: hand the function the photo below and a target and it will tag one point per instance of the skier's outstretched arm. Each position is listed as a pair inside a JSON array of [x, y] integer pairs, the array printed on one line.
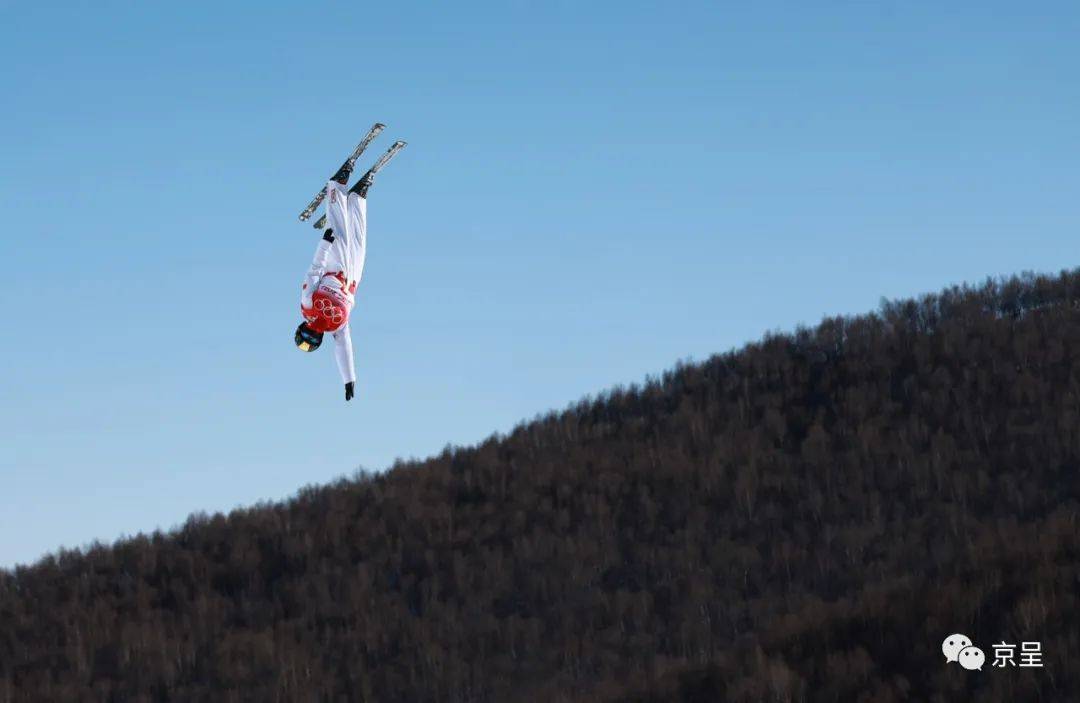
[[343, 353]]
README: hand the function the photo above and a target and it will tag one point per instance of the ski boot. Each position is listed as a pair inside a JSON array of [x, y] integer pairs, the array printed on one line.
[[342, 176], [362, 185]]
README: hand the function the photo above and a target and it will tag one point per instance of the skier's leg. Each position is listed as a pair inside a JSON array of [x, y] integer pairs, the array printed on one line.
[[357, 219], [355, 244], [337, 209]]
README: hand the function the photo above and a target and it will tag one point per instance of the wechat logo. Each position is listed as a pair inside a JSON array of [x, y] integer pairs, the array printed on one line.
[[958, 648]]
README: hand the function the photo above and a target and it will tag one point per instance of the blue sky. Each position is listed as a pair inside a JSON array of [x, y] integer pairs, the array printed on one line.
[[591, 192]]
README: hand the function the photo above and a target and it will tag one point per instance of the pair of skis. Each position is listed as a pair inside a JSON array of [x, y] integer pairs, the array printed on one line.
[[349, 163]]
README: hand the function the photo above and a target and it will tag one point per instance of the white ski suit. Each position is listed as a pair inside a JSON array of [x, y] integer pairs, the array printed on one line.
[[340, 263]]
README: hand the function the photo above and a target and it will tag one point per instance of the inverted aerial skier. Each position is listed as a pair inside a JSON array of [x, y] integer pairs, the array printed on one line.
[[329, 288]]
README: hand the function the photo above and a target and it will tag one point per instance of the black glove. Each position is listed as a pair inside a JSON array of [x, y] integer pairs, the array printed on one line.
[[349, 390], [328, 235]]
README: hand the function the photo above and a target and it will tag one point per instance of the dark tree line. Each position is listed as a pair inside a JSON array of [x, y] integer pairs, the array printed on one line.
[[801, 520]]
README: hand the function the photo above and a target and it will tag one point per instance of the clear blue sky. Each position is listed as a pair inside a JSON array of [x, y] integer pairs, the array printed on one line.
[[591, 192]]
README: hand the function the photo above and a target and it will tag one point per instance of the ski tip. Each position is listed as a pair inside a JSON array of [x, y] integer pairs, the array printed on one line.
[[379, 126], [400, 144]]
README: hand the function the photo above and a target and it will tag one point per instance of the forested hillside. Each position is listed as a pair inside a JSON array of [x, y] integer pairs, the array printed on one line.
[[804, 519]]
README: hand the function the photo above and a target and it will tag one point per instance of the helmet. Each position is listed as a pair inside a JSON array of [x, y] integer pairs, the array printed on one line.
[[329, 310], [306, 338]]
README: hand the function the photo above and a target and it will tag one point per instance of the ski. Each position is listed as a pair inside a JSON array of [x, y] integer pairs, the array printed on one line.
[[372, 133], [383, 160]]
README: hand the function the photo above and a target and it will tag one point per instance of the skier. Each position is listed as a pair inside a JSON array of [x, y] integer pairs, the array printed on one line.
[[329, 289]]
